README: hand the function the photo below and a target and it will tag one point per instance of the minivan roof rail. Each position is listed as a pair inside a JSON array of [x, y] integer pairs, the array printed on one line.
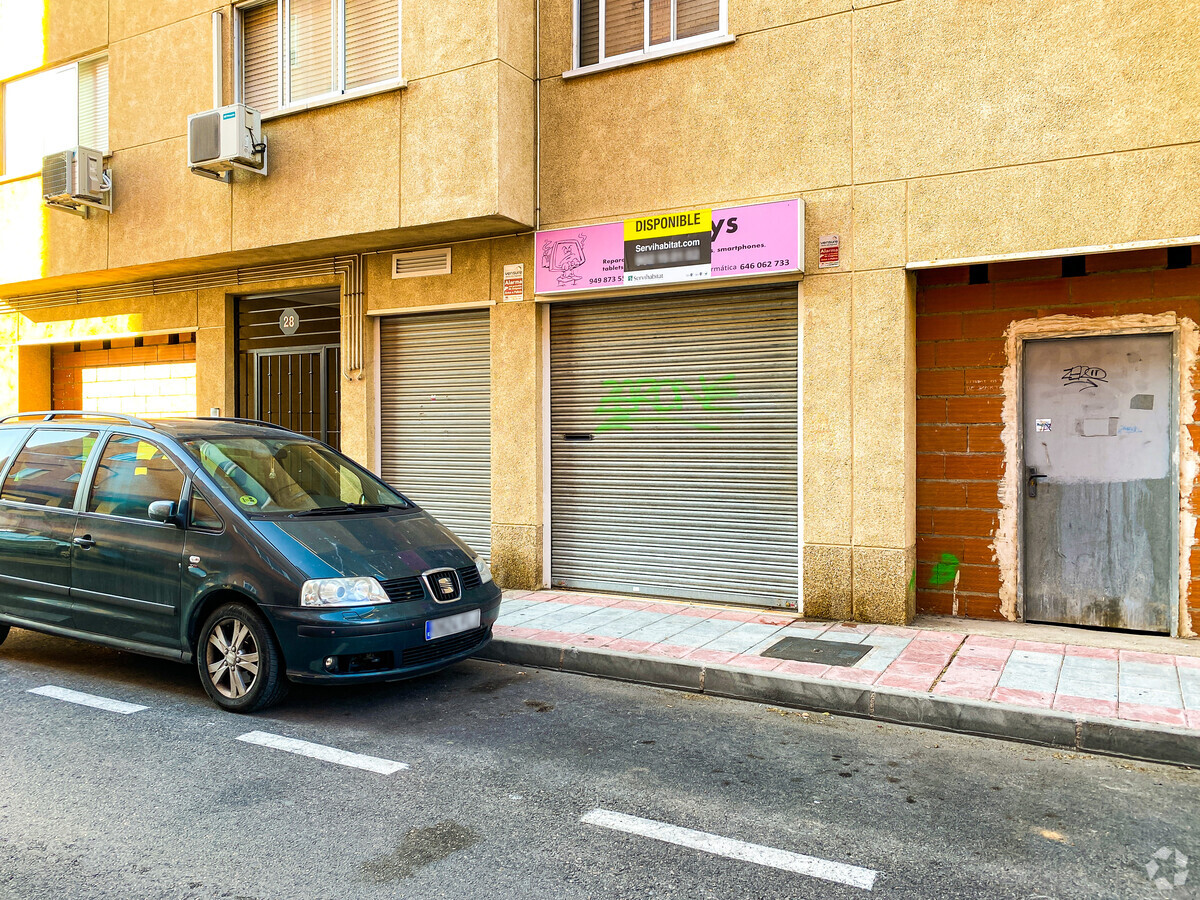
[[49, 415], [244, 421]]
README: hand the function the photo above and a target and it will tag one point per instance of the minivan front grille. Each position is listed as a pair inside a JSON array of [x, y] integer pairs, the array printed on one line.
[[469, 576], [449, 646], [400, 590], [443, 584]]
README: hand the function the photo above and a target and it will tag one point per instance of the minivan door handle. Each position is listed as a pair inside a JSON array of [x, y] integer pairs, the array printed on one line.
[[84, 542]]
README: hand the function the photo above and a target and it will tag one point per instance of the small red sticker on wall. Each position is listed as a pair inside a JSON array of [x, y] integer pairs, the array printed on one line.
[[829, 251], [514, 282]]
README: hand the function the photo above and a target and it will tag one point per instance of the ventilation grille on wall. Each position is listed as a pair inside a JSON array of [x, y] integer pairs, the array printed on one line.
[[415, 263]]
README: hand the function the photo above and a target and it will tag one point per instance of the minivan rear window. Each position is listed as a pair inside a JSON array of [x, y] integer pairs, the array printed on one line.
[[9, 442], [47, 470]]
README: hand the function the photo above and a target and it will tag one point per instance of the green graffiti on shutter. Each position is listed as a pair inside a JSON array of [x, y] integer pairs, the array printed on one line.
[[634, 400]]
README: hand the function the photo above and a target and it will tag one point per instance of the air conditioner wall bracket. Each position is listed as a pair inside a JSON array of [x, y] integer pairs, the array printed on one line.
[[80, 205]]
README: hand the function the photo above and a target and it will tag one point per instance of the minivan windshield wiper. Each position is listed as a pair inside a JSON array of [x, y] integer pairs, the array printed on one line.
[[346, 508]]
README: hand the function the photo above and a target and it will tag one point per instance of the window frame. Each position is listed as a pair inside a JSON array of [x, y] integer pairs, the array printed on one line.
[[6, 175], [85, 471], [22, 438], [339, 94], [84, 497], [191, 491], [649, 51]]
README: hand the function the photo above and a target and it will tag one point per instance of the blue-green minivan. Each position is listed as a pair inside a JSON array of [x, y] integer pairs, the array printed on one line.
[[263, 555]]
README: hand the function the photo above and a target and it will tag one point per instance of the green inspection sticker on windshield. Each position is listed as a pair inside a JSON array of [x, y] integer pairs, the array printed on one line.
[[247, 500]]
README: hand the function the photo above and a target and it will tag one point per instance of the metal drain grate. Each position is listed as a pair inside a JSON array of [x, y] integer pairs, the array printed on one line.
[[827, 653]]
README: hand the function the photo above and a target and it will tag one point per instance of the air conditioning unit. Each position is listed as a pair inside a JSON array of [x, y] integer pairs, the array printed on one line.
[[225, 139], [76, 179]]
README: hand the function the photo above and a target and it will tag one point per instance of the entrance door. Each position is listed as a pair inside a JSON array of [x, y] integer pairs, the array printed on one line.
[[1100, 490], [292, 389], [289, 362]]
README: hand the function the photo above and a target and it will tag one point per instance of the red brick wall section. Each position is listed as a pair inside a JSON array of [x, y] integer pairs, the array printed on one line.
[[67, 361], [960, 360]]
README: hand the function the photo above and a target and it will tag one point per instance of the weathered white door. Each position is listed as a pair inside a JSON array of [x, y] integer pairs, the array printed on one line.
[[1100, 505]]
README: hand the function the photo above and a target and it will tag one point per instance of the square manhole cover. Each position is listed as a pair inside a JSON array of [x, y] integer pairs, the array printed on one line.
[[827, 653]]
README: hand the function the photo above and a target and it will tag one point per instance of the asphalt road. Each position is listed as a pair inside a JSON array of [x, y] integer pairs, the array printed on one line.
[[504, 763]]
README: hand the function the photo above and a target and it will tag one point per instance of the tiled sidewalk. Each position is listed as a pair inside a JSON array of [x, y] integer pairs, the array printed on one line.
[[1157, 688]]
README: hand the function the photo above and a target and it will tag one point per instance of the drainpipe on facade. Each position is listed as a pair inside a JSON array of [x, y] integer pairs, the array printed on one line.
[[218, 59]]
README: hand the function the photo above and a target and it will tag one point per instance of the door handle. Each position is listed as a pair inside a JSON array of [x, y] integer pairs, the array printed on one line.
[[1033, 481], [84, 542]]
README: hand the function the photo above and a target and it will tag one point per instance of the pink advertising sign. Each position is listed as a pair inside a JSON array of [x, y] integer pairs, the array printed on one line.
[[695, 246]]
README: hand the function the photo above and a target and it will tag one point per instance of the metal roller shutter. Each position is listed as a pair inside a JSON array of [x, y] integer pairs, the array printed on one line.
[[260, 57], [372, 42], [435, 417], [93, 103], [674, 446]]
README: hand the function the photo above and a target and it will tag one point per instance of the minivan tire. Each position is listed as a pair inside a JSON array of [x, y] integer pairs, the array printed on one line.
[[235, 633], [4, 629]]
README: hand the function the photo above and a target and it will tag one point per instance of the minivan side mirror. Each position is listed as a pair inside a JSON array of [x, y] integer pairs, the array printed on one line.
[[164, 511]]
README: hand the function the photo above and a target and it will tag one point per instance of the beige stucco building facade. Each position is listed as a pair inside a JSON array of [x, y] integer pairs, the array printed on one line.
[[941, 146]]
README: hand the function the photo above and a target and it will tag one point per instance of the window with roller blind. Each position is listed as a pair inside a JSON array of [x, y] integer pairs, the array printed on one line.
[[613, 31], [293, 53], [55, 110]]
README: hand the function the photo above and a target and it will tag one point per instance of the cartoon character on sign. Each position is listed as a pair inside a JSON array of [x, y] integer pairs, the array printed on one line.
[[564, 257]]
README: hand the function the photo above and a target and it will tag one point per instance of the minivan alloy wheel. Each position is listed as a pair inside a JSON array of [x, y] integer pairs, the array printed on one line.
[[241, 666], [232, 658]]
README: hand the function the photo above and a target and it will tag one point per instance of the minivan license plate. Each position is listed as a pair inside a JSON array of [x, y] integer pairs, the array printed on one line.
[[448, 625]]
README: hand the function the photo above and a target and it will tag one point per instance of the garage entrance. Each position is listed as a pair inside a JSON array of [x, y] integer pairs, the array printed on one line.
[[289, 356], [436, 417], [674, 430]]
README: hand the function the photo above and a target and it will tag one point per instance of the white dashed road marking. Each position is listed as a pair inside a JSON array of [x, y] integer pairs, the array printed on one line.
[[320, 751], [824, 869], [58, 693]]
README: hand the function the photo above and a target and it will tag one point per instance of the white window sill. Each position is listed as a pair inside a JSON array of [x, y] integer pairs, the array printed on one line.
[[9, 179], [660, 52], [330, 99]]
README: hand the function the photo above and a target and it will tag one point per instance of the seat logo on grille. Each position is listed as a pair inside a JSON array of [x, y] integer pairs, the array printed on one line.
[[443, 585]]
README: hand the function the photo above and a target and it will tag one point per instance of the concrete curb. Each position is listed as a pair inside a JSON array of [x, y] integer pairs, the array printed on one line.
[[1050, 728]]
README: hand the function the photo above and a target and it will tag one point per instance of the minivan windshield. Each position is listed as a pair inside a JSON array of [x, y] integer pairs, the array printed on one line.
[[287, 475]]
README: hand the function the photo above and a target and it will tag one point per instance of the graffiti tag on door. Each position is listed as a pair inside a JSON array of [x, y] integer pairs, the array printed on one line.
[[630, 400], [1084, 376]]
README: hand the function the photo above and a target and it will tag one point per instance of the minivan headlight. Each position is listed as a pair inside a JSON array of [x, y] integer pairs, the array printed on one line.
[[485, 571], [342, 592]]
